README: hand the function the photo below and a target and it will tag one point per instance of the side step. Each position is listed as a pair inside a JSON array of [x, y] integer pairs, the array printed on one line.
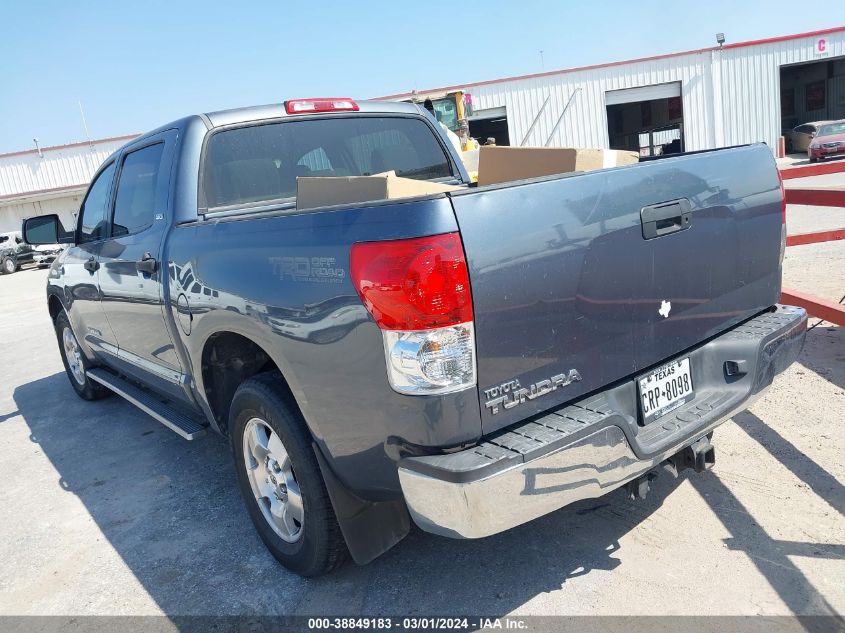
[[187, 427]]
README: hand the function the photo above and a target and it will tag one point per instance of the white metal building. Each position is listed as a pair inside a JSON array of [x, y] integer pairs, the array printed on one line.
[[737, 93], [49, 180], [706, 98]]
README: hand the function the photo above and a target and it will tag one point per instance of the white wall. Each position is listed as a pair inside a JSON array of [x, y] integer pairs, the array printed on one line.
[[730, 96], [585, 123], [55, 168], [53, 181], [750, 86], [13, 214]]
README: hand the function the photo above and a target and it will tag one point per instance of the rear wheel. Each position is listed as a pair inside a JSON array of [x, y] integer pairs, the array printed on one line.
[[8, 265], [75, 362], [814, 160], [280, 480]]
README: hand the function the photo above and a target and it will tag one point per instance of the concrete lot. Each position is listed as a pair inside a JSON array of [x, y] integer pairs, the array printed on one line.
[[104, 511]]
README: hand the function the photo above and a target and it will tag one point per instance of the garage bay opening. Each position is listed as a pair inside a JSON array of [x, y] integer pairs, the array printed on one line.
[[810, 94], [646, 119]]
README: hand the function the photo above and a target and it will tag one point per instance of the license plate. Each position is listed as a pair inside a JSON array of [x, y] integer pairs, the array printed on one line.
[[665, 389]]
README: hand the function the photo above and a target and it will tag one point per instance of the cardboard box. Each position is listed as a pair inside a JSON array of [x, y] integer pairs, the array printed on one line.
[[325, 191], [504, 164]]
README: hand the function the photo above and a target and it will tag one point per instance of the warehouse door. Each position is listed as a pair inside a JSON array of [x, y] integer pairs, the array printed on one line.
[[811, 92], [490, 126], [646, 119]]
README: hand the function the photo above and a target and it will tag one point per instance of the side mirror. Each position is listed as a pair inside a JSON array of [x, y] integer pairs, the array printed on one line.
[[45, 229]]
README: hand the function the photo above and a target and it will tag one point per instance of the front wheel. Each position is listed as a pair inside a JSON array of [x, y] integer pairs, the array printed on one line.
[[75, 362], [8, 266], [280, 479]]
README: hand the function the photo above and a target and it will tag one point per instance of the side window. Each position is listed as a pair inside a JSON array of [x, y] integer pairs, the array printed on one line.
[[94, 211], [135, 203]]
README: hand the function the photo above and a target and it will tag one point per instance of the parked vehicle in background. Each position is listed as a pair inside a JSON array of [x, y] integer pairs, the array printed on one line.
[[798, 139], [829, 141], [15, 253], [44, 255], [470, 357]]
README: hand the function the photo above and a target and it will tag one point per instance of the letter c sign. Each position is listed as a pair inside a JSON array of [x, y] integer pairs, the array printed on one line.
[[821, 46]]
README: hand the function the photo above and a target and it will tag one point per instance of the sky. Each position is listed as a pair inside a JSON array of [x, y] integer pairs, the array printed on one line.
[[137, 65]]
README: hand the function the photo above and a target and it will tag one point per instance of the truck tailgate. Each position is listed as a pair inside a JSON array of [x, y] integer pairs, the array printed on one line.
[[610, 272]]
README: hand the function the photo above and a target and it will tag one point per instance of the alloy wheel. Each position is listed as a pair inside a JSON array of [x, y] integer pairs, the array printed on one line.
[[272, 480]]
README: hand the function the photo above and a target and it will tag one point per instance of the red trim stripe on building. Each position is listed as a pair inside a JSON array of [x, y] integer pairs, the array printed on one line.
[[564, 71]]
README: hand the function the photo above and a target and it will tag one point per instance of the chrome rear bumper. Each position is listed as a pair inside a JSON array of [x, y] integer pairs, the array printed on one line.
[[587, 449]]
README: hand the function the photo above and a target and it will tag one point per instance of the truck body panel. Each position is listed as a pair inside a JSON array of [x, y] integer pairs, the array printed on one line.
[[291, 293], [563, 278]]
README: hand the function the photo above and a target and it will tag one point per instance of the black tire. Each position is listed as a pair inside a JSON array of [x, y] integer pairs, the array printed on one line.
[[813, 160], [87, 389], [8, 266], [320, 547]]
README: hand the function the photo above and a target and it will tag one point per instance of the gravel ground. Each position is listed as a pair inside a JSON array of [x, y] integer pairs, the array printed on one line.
[[104, 511]]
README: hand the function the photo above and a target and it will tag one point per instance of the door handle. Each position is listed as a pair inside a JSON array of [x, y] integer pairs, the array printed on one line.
[[147, 264], [91, 265], [665, 218]]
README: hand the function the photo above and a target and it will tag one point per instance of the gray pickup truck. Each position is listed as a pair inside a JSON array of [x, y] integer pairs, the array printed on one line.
[[470, 360]]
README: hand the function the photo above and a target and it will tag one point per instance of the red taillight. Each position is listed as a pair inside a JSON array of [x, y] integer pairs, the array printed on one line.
[[782, 199], [413, 284], [323, 104]]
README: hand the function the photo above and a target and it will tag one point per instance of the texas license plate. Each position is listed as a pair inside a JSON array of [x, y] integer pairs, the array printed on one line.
[[665, 389]]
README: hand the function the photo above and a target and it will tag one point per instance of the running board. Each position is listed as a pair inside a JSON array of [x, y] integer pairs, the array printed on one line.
[[179, 423]]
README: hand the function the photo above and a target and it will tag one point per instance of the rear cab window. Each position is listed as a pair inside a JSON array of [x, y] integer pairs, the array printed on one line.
[[260, 163]]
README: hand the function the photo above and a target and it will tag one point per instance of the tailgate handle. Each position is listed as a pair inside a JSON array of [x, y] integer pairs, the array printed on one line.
[[665, 218]]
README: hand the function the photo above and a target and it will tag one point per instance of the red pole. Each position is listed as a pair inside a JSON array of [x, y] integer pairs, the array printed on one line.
[[816, 306]]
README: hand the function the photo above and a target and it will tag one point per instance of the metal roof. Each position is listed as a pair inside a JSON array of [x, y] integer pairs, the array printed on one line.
[[54, 170]]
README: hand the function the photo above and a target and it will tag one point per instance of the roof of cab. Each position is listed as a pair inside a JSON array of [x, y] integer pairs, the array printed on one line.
[[269, 111], [277, 110]]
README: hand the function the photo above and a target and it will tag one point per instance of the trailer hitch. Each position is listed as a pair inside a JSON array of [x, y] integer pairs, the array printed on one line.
[[700, 456], [638, 488]]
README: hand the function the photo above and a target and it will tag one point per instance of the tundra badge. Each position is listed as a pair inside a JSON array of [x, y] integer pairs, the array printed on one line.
[[511, 393]]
